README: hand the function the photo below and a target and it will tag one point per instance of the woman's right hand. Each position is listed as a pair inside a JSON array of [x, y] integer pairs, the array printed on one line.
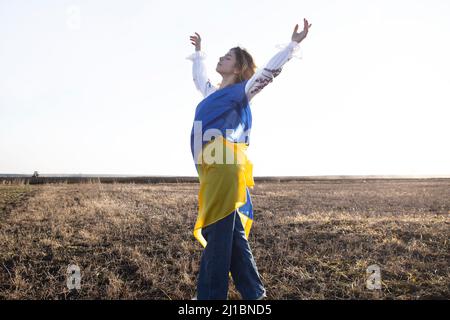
[[197, 42]]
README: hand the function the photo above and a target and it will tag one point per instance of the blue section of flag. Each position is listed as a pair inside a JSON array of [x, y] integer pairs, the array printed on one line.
[[247, 208], [225, 109]]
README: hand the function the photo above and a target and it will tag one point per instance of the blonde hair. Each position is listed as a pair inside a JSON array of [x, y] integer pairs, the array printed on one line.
[[245, 63]]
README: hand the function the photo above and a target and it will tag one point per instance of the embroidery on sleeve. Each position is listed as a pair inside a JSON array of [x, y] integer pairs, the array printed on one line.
[[262, 82]]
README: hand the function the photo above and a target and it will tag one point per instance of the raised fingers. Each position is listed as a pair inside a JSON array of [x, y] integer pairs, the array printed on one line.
[[196, 39]]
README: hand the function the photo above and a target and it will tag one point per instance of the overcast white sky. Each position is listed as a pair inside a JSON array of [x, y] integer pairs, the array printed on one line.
[[104, 87]]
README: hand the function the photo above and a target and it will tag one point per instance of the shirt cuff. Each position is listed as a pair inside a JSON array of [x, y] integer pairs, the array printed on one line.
[[292, 46], [197, 54]]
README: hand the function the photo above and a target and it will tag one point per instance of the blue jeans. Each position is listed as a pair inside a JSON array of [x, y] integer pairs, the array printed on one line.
[[227, 250]]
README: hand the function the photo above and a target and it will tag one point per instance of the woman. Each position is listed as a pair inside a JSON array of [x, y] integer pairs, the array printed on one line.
[[219, 140]]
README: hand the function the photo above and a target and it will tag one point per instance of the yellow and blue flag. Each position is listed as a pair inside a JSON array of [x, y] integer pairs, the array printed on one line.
[[224, 170]]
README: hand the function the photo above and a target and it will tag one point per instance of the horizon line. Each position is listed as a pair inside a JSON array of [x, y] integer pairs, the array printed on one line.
[[356, 176]]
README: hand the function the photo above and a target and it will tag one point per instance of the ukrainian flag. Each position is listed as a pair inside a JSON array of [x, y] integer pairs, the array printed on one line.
[[224, 187], [225, 184]]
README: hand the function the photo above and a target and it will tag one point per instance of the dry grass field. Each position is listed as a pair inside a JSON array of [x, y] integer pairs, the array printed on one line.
[[310, 239]]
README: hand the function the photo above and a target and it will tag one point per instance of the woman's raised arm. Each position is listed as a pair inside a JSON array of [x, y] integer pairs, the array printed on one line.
[[265, 75], [199, 75]]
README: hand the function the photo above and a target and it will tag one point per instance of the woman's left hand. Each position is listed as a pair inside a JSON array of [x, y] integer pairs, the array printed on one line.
[[301, 35]]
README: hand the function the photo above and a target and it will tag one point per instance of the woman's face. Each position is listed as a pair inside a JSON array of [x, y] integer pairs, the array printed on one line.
[[226, 64]]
